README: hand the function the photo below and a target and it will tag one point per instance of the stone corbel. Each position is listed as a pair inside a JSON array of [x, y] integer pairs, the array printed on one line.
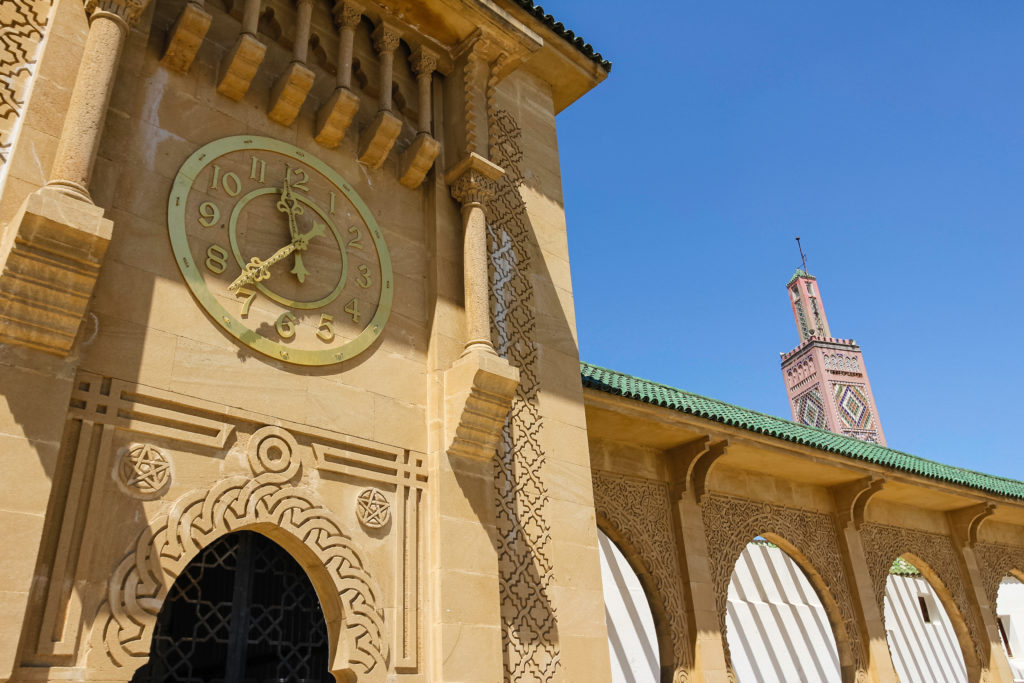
[[966, 521], [243, 61], [186, 36], [419, 157], [691, 463], [292, 88], [378, 139], [851, 499], [337, 113], [478, 391]]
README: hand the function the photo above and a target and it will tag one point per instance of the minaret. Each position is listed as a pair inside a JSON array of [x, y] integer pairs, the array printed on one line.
[[826, 380]]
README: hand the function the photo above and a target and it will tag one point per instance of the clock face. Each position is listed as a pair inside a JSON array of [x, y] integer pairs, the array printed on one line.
[[280, 250]]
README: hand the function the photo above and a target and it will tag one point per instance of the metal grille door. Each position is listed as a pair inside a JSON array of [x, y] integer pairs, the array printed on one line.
[[243, 611]]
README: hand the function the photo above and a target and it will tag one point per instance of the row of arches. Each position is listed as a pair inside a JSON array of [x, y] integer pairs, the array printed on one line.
[[778, 627]]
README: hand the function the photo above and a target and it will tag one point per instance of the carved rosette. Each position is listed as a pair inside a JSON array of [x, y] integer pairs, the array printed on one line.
[[142, 471], [640, 510], [731, 523]]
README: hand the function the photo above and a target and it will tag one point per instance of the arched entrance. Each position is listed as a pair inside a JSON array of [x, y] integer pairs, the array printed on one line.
[[922, 639], [1010, 622], [242, 610], [776, 625]]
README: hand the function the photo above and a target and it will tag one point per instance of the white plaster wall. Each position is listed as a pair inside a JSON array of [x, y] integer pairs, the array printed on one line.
[[1010, 608], [921, 652], [775, 624], [632, 640]]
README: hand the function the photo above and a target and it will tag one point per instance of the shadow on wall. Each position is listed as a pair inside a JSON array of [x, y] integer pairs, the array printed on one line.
[[776, 625], [632, 638]]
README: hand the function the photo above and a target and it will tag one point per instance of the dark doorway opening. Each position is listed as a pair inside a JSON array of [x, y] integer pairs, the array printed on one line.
[[243, 611]]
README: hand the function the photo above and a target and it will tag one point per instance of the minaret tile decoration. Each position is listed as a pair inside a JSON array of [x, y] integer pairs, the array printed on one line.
[[826, 380]]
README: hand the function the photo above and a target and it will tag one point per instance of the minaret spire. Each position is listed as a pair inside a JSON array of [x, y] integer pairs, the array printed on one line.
[[826, 379]]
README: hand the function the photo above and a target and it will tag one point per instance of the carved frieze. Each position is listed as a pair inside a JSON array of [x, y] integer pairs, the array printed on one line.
[[640, 511]]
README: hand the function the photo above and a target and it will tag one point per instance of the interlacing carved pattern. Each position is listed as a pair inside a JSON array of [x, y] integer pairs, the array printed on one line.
[[140, 583], [22, 24], [996, 561], [640, 510], [883, 544], [529, 628], [731, 523]]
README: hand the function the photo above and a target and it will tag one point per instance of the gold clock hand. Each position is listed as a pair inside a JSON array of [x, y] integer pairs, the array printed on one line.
[[289, 205], [257, 271]]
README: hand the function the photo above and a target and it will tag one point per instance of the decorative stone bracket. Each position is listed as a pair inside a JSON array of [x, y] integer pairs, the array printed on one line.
[[691, 463], [478, 391], [49, 270], [851, 499], [966, 521], [186, 37]]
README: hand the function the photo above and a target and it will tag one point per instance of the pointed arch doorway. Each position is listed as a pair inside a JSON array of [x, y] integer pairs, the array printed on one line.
[[243, 611]]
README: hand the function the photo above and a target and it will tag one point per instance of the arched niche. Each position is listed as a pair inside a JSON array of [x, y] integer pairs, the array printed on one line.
[[633, 642], [926, 633], [242, 609], [778, 627]]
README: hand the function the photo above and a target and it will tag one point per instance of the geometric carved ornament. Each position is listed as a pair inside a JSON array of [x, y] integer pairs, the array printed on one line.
[[373, 508], [270, 502], [142, 471]]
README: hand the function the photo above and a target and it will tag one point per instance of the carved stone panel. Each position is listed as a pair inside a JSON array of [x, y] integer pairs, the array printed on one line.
[[996, 560], [884, 543], [731, 523], [640, 511]]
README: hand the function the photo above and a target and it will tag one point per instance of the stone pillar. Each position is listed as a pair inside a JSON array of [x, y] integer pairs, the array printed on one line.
[[337, 113], [964, 525], [293, 86], [109, 21], [417, 160], [380, 137]]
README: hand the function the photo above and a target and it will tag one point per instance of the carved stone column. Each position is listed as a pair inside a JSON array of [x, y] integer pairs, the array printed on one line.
[[109, 21], [187, 36], [293, 86], [851, 501], [380, 137], [417, 160], [479, 386], [337, 113], [55, 244], [243, 61]]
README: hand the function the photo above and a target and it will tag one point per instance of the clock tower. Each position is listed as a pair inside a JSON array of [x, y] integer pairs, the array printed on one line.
[[826, 380]]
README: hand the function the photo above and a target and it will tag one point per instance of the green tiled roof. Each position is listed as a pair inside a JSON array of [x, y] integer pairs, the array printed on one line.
[[901, 567], [558, 27], [637, 389], [800, 272]]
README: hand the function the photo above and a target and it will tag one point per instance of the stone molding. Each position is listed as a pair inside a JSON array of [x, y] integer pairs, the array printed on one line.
[[731, 523], [639, 511], [852, 498], [472, 180]]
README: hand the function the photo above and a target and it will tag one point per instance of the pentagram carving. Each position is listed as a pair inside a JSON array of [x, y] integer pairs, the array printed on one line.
[[373, 508], [142, 471]]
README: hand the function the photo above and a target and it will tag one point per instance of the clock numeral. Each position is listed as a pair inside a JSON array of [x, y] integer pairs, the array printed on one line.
[[259, 169], [285, 325], [209, 214], [302, 184], [216, 259], [364, 276], [326, 328], [250, 296], [229, 182], [352, 308], [357, 241]]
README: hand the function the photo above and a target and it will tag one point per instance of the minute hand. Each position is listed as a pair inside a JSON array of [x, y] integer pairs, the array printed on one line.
[[257, 270]]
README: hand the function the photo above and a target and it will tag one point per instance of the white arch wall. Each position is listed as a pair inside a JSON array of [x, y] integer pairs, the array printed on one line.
[[1010, 610], [922, 652], [775, 623], [632, 640]]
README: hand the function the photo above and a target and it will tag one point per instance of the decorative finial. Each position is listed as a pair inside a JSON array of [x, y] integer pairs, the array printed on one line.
[[803, 259]]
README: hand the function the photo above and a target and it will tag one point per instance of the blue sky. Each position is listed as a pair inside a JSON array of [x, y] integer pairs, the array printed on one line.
[[888, 136]]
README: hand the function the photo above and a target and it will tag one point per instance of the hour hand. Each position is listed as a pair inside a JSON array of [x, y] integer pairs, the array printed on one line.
[[257, 271]]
